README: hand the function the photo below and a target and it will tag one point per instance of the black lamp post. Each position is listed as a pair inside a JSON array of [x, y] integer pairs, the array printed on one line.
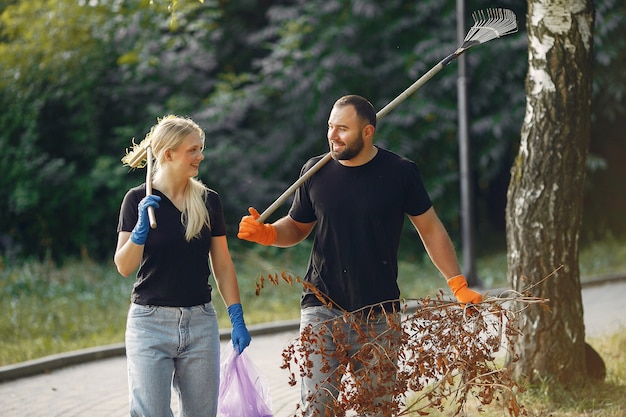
[[467, 194]]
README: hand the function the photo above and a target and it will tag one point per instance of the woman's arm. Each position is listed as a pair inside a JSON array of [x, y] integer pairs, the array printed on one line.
[[127, 254], [224, 270]]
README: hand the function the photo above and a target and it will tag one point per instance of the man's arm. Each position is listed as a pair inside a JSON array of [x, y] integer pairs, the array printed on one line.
[[283, 233], [290, 232], [441, 251], [437, 242]]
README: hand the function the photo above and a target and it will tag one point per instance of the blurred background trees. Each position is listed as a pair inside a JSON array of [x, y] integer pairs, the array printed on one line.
[[79, 79]]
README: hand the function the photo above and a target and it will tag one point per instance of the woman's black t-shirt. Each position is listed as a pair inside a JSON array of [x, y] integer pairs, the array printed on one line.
[[173, 272]]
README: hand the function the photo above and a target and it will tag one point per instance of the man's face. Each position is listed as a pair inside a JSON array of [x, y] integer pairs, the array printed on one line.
[[345, 133]]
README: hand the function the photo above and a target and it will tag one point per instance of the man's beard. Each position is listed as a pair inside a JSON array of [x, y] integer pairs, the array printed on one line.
[[349, 151]]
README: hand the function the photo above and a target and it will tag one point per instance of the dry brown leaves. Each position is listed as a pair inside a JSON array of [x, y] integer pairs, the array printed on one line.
[[438, 354]]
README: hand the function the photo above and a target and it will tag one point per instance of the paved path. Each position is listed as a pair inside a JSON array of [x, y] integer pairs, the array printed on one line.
[[99, 388]]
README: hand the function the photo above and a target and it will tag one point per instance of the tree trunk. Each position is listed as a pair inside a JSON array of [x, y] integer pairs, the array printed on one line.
[[545, 195]]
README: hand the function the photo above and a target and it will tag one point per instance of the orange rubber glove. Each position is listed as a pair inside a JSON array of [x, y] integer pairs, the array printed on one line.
[[250, 229], [462, 293]]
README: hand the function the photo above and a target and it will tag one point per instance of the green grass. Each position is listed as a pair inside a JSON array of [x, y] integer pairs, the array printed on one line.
[[48, 309]]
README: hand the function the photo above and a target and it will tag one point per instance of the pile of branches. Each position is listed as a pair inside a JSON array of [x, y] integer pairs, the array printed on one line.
[[437, 354]]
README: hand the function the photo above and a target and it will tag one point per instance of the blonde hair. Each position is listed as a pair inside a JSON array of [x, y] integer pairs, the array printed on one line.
[[168, 134]]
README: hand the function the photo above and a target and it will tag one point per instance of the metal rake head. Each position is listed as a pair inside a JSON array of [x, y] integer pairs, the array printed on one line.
[[490, 24]]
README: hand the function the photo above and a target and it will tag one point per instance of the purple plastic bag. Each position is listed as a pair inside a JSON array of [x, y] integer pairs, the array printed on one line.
[[243, 389]]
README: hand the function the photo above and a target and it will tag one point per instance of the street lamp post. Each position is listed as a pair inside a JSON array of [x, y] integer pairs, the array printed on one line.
[[467, 195]]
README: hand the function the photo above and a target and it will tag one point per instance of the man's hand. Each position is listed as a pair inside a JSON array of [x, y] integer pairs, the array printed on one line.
[[462, 293], [250, 229]]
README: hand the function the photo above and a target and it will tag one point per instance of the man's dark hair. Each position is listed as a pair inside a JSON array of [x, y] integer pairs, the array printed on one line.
[[364, 108]]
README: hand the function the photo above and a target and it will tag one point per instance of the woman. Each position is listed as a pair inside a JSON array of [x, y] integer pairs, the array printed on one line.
[[172, 336]]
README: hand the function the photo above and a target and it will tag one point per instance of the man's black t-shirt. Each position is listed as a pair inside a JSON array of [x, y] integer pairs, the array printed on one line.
[[359, 212], [173, 272]]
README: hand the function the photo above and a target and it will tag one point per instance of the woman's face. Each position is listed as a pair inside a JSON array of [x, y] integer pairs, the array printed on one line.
[[186, 158]]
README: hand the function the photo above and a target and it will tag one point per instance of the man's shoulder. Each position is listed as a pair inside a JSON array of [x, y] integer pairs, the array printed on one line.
[[393, 157], [312, 161]]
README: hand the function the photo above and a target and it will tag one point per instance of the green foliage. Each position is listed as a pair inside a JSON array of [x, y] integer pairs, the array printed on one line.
[[53, 60], [53, 37], [80, 79], [316, 53], [605, 204]]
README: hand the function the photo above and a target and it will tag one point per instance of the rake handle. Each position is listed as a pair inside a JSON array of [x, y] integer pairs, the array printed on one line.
[[382, 112], [151, 215], [292, 189]]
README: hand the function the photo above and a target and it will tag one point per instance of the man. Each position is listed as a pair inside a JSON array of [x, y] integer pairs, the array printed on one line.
[[358, 201]]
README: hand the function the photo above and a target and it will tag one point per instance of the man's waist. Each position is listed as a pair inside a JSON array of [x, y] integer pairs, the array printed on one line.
[[393, 306]]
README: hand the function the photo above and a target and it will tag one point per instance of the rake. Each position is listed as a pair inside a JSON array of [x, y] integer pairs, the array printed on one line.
[[140, 157], [488, 25]]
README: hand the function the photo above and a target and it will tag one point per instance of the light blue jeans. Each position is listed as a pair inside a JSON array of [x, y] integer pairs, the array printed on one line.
[[175, 347], [320, 387]]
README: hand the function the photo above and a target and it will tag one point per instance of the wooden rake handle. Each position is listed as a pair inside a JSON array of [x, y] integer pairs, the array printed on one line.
[[292, 189], [151, 215], [319, 164]]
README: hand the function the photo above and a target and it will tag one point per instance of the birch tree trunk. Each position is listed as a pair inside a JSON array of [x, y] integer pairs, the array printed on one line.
[[545, 195]]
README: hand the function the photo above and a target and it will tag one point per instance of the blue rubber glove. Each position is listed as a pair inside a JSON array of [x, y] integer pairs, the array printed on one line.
[[239, 335], [140, 232]]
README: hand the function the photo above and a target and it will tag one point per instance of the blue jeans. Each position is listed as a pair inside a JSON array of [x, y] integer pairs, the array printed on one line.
[[175, 347], [320, 387]]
